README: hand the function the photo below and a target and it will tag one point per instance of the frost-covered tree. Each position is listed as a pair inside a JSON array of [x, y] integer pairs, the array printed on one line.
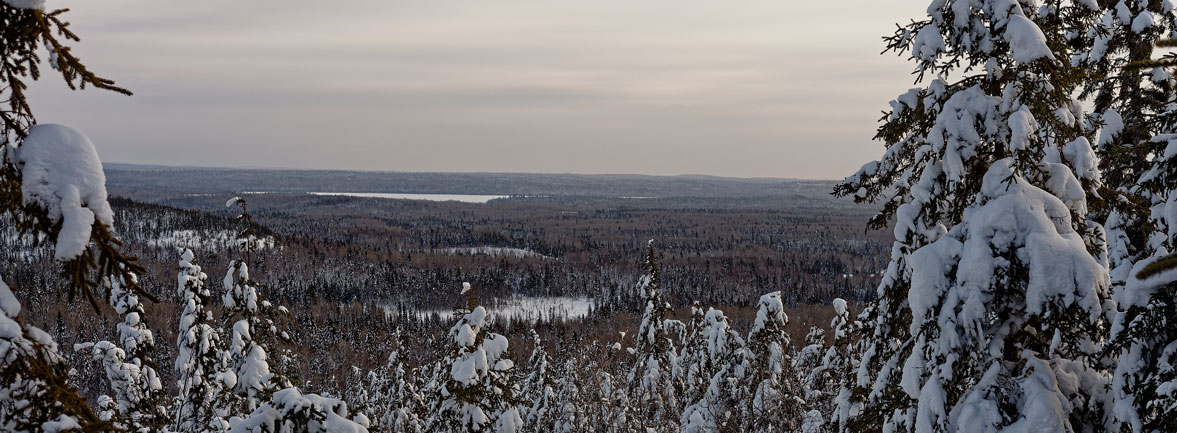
[[473, 390], [135, 385], [651, 381], [996, 283], [198, 380], [725, 364], [572, 406], [261, 401]]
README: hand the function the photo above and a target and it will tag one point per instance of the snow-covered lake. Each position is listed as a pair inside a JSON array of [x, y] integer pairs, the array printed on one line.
[[527, 308], [464, 198]]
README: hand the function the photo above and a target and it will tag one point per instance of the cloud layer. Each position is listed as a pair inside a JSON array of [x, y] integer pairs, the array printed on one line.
[[753, 88]]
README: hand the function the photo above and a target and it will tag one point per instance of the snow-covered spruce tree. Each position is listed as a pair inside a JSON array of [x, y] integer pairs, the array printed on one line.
[[360, 390], [1129, 96], [34, 395], [395, 400], [540, 407], [840, 368], [51, 187], [137, 390], [695, 369], [995, 287], [261, 401], [774, 403], [718, 408], [813, 381], [474, 391], [572, 405], [651, 381], [198, 381], [1143, 336], [251, 321]]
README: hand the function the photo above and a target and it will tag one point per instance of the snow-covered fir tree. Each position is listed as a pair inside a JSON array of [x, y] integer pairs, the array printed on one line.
[[198, 380], [1133, 102], [135, 385], [813, 381], [252, 330], [1143, 335], [840, 370], [651, 380], [695, 367], [725, 364], [771, 390], [572, 406], [540, 407], [996, 284], [261, 401], [473, 390], [52, 188], [34, 394], [1129, 99], [402, 402], [387, 395]]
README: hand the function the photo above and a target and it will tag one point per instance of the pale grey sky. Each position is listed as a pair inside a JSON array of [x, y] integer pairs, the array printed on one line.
[[780, 88]]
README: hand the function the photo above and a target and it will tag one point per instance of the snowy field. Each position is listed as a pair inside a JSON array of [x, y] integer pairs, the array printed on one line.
[[464, 198], [530, 308]]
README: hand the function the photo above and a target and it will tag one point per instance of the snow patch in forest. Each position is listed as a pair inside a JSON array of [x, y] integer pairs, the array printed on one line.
[[194, 239], [517, 253], [529, 308], [464, 198]]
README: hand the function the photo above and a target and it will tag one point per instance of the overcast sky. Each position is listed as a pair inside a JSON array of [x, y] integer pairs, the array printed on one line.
[[751, 88]]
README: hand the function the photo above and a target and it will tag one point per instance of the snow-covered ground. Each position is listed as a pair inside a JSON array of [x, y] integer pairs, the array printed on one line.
[[528, 308], [465, 198]]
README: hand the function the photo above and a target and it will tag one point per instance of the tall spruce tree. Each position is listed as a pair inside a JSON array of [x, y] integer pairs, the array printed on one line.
[[651, 380], [995, 288], [197, 353]]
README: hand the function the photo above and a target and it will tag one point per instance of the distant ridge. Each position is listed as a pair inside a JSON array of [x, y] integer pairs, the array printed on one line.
[[134, 178], [160, 167]]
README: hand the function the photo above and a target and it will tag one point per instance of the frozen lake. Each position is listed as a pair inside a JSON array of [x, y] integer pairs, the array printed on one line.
[[464, 198]]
